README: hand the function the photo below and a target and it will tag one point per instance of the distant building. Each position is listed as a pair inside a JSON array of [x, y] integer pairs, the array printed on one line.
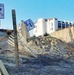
[[43, 26]]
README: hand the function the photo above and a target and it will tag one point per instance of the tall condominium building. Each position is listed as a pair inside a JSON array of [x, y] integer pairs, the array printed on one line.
[[43, 26]]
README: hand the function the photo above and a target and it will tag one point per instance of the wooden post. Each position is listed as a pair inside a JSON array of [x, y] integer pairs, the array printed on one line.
[[15, 37]]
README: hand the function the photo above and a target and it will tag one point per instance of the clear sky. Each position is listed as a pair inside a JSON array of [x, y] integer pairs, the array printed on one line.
[[34, 9]]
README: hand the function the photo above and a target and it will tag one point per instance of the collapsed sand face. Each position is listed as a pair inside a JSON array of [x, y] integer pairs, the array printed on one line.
[[51, 46], [50, 50], [43, 45]]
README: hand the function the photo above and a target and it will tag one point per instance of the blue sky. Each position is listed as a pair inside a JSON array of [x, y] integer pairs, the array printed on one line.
[[34, 9]]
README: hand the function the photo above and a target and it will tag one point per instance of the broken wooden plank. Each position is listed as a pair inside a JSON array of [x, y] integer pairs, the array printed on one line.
[[0, 72], [3, 69], [1, 39]]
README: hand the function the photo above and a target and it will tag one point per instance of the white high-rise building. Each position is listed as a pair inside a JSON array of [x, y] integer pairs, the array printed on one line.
[[51, 25], [43, 26]]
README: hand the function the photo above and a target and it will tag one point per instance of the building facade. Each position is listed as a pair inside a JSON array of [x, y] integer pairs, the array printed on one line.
[[43, 26]]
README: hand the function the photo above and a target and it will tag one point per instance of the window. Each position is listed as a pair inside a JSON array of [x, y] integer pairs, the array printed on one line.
[[51, 28], [63, 25], [59, 24], [67, 24], [51, 24]]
